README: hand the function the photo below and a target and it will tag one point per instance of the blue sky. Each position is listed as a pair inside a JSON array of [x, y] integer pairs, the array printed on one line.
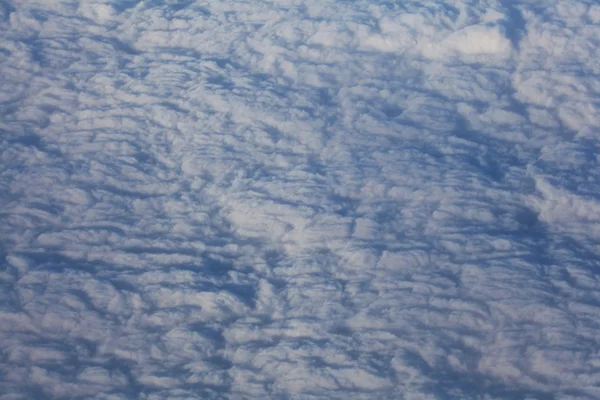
[[299, 199]]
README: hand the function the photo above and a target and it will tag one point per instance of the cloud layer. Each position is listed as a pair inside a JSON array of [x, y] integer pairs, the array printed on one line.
[[299, 199]]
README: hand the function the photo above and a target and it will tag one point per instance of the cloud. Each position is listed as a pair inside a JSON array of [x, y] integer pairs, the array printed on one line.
[[298, 199], [474, 40]]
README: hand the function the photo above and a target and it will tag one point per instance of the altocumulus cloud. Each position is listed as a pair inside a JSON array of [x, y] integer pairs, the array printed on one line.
[[299, 199]]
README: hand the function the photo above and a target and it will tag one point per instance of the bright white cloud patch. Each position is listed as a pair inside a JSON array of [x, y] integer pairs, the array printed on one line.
[[299, 199]]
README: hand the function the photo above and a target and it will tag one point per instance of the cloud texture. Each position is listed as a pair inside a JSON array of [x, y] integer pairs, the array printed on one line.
[[299, 199]]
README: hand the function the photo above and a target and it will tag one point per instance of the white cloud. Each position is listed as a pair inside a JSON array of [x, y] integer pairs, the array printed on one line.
[[303, 199], [475, 40]]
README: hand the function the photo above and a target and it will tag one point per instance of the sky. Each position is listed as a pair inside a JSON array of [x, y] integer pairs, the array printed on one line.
[[299, 199]]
